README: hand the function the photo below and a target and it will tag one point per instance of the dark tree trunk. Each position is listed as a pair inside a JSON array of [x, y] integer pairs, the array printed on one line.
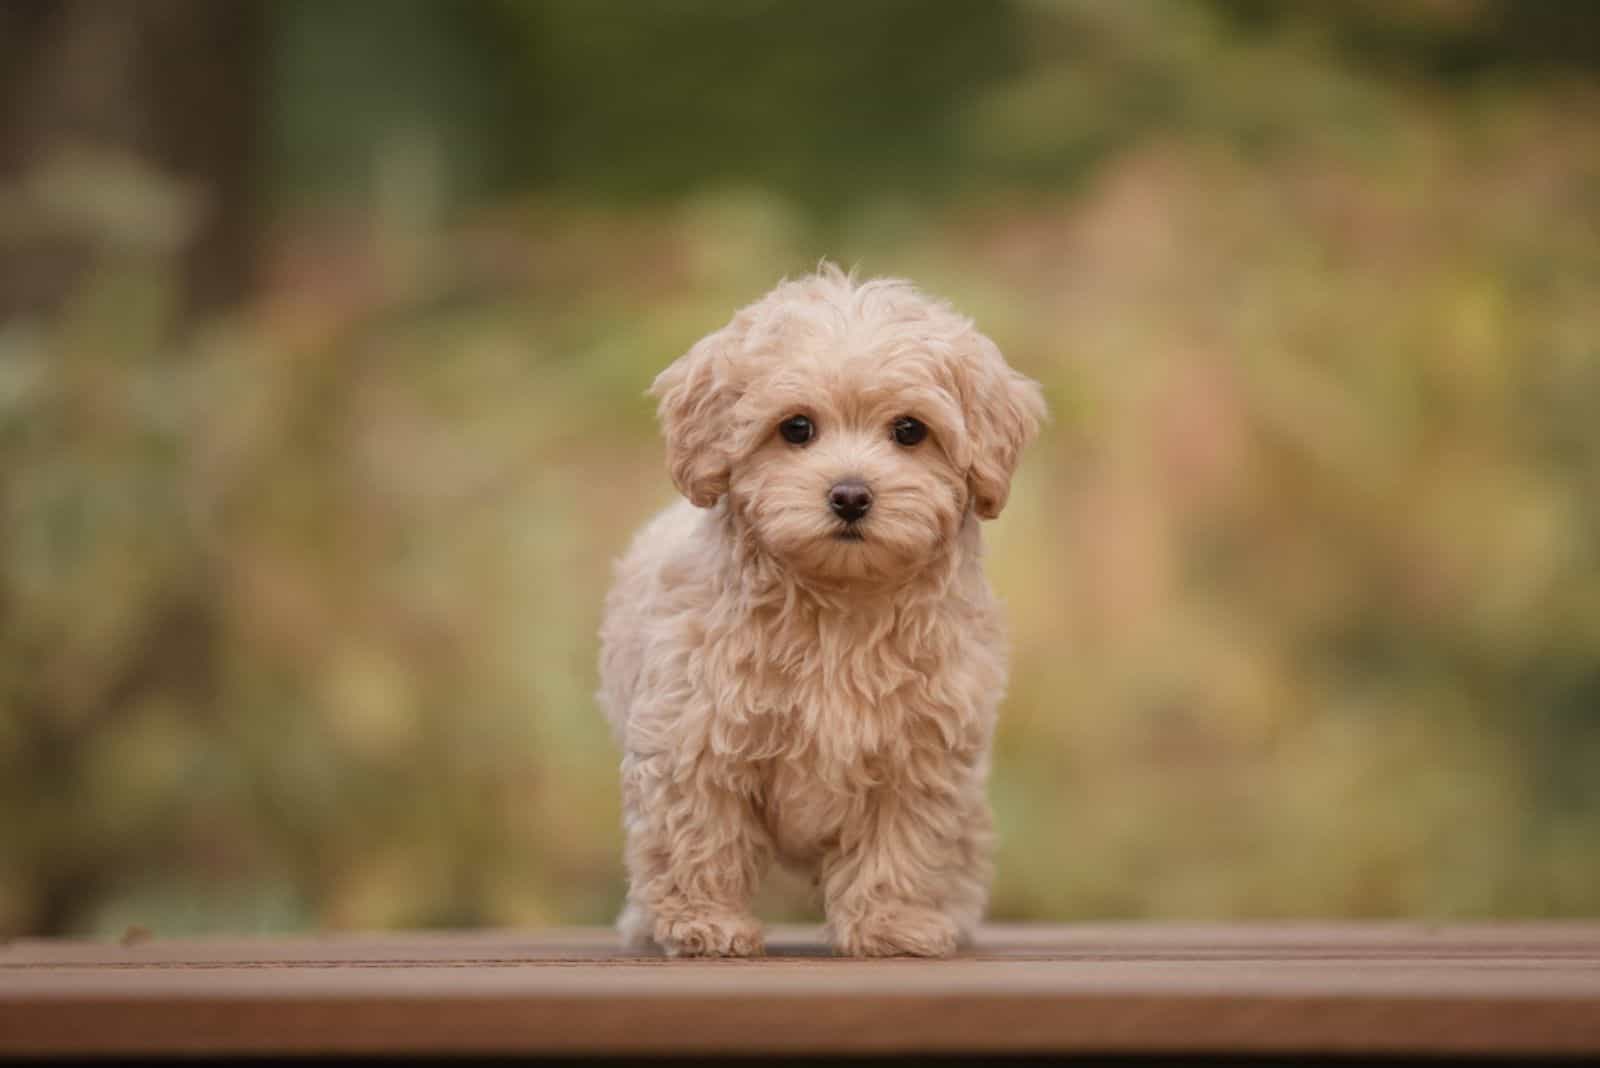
[[108, 110], [170, 86]]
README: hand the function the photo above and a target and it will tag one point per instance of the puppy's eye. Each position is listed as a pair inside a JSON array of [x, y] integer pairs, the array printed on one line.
[[797, 430], [908, 431]]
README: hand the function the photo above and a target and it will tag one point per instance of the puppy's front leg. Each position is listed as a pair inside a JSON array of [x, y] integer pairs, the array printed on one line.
[[912, 882], [695, 853]]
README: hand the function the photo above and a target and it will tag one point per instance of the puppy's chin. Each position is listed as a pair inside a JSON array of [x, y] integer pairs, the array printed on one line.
[[875, 550], [849, 556]]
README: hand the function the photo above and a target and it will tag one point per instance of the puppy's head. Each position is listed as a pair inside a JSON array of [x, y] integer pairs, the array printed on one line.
[[852, 427]]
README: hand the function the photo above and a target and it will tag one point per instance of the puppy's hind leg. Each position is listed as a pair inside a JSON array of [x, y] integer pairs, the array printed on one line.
[[636, 927], [967, 896], [695, 854]]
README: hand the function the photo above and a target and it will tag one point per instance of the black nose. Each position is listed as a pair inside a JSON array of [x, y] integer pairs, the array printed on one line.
[[850, 500]]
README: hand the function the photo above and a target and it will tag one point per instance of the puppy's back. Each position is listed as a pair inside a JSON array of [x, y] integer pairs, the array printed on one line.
[[653, 581]]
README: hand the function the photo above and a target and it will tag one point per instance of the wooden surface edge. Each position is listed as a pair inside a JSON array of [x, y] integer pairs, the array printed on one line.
[[774, 1023], [1492, 990]]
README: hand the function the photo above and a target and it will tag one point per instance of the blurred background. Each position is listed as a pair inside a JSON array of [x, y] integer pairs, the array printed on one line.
[[325, 327]]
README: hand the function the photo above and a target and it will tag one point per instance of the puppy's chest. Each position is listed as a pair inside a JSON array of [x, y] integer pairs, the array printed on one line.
[[839, 697], [825, 719]]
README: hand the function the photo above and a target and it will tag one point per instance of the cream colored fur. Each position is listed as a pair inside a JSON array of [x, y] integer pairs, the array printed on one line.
[[781, 693]]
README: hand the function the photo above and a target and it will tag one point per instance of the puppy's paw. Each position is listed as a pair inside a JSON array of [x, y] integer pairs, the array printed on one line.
[[898, 931], [710, 934]]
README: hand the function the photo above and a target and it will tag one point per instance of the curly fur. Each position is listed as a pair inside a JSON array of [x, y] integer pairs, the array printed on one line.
[[782, 692]]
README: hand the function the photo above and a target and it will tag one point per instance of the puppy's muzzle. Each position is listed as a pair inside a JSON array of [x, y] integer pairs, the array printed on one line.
[[850, 499]]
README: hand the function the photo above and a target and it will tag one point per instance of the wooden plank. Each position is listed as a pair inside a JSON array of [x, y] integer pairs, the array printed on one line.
[[1526, 989]]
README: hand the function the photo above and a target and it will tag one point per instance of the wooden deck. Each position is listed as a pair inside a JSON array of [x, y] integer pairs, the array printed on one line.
[[1404, 990]]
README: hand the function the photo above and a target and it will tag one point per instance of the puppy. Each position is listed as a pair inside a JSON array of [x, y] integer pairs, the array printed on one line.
[[803, 660]]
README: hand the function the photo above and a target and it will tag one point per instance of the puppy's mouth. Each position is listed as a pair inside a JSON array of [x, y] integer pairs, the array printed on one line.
[[849, 532]]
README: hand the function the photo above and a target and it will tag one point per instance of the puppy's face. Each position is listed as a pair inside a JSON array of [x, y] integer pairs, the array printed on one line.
[[853, 477], [851, 428]]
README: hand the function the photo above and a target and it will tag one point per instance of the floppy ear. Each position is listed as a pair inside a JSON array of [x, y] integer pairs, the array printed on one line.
[[1003, 410], [696, 394]]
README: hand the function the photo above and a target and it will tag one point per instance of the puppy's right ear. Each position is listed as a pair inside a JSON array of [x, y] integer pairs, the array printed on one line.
[[696, 394]]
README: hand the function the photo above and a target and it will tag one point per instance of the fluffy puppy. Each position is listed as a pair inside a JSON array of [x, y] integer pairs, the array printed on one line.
[[803, 660]]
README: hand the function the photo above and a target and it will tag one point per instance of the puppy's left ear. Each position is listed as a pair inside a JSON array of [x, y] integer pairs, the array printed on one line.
[[696, 393], [1003, 410]]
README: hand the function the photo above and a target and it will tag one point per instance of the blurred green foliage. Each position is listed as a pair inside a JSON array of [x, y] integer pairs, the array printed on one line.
[[298, 603]]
